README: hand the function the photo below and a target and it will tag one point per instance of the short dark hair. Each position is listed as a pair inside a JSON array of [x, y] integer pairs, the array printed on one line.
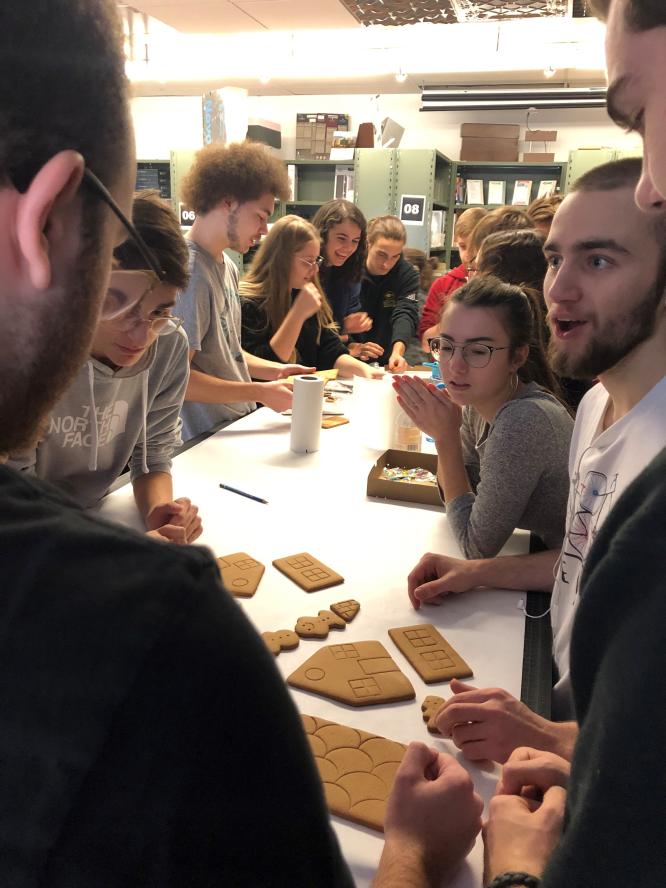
[[80, 105], [242, 171], [333, 213], [610, 176], [158, 226], [515, 257], [640, 15]]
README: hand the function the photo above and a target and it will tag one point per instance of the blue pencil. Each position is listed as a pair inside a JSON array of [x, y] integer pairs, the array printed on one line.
[[251, 496]]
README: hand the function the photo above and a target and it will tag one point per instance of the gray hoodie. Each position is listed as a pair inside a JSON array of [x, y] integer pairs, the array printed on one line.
[[138, 422]]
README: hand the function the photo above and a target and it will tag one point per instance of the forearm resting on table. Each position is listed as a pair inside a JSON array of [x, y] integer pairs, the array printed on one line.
[[152, 490], [402, 866], [262, 368], [528, 573], [210, 390]]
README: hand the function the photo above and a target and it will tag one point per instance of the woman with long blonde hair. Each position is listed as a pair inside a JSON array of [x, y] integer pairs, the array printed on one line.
[[285, 313]]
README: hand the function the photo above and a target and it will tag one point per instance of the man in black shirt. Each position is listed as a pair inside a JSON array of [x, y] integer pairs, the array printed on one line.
[[146, 738]]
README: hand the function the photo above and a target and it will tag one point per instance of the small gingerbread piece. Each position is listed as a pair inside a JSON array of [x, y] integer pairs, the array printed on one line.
[[430, 707], [346, 609], [333, 620], [312, 627], [282, 640], [241, 574]]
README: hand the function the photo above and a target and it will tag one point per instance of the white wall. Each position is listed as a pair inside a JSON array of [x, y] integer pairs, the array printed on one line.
[[164, 123]]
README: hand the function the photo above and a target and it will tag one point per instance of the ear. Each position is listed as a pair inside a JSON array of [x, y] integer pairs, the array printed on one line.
[[44, 214], [519, 357]]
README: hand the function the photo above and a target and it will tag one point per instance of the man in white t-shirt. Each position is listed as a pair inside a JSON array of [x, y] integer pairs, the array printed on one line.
[[604, 290]]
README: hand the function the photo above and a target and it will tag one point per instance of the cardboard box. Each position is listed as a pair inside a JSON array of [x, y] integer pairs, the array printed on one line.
[[401, 490], [540, 135], [538, 157], [490, 131], [504, 150]]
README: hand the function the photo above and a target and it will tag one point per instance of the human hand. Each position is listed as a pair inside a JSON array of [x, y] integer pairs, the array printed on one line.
[[308, 302], [294, 370], [429, 333], [396, 363], [357, 322], [437, 575], [168, 533], [531, 772], [433, 812], [277, 395], [429, 407], [365, 351], [489, 724], [521, 834], [169, 518]]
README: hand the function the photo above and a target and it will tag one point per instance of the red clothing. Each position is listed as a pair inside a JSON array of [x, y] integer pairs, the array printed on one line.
[[438, 295]]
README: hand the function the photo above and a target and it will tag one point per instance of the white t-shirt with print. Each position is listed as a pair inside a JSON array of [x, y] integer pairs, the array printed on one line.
[[602, 464]]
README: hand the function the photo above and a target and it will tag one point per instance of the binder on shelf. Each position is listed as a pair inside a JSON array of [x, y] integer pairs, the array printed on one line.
[[291, 175], [547, 188], [460, 190], [344, 182], [521, 193], [497, 192], [475, 191]]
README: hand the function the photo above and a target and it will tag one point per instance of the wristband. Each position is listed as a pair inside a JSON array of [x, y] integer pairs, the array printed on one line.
[[509, 880]]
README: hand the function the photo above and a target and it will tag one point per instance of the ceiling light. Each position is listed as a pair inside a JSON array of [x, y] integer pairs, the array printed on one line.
[[264, 79], [549, 72], [401, 76], [435, 98]]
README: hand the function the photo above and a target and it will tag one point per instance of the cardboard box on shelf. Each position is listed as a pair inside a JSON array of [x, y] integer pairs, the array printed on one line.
[[426, 494], [490, 131], [539, 156], [503, 150]]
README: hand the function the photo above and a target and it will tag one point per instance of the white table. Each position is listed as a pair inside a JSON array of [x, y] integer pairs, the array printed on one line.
[[318, 504]]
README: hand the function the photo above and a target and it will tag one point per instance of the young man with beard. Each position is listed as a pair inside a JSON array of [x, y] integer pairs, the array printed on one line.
[[232, 189], [604, 290], [129, 749]]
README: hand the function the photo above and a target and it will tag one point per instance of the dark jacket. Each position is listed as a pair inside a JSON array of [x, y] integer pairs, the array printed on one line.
[[614, 834], [343, 295], [391, 300], [256, 335], [130, 687]]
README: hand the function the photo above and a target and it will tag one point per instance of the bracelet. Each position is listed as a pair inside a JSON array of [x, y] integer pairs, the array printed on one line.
[[508, 880]]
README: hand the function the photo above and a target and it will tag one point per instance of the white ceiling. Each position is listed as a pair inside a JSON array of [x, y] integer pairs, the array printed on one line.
[[230, 16], [315, 47]]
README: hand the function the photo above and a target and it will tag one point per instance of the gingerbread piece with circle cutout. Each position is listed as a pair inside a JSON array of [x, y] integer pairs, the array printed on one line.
[[241, 574]]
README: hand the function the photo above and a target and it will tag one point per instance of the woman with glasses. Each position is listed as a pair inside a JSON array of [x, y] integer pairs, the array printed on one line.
[[286, 316], [123, 407], [501, 431]]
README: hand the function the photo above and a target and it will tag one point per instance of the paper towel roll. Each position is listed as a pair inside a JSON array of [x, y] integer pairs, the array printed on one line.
[[306, 414]]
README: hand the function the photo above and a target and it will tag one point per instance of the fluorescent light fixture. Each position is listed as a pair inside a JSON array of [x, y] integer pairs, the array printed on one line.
[[435, 98]]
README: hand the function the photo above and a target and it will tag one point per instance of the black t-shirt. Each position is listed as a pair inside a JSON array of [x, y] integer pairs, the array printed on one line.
[[146, 738], [391, 300], [257, 334], [614, 834]]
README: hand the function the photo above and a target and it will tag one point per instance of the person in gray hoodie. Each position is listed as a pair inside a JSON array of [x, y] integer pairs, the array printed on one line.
[[133, 384]]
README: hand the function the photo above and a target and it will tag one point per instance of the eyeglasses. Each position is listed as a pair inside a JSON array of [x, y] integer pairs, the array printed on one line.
[[312, 263], [110, 310], [475, 354], [130, 288]]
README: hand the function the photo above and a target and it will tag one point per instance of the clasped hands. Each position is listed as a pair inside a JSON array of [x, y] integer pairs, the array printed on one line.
[[429, 407], [434, 814]]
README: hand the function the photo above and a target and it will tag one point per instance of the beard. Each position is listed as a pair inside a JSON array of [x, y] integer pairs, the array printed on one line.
[[41, 349], [615, 339], [232, 231]]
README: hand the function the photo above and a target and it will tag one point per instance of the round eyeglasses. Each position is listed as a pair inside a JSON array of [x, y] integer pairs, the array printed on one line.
[[312, 263], [126, 292], [475, 354]]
